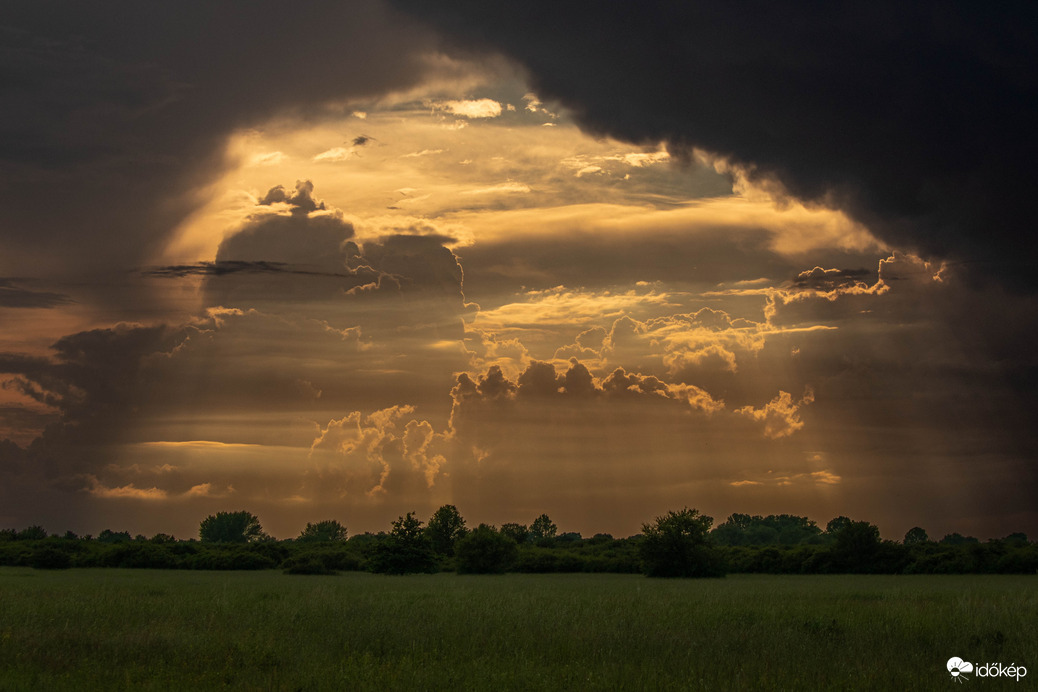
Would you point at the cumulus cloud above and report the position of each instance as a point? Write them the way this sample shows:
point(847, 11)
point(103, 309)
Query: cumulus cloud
point(578, 443)
point(780, 416)
point(374, 454)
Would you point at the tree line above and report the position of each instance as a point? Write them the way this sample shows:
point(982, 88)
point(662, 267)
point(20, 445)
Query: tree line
point(678, 544)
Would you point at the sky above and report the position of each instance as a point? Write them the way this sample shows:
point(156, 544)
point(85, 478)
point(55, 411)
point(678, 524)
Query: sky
point(351, 260)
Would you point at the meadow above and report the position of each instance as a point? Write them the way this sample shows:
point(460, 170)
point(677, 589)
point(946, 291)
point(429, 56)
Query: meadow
point(87, 629)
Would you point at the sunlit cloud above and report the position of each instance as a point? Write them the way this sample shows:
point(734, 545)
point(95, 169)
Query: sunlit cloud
point(507, 188)
point(476, 108)
point(336, 154)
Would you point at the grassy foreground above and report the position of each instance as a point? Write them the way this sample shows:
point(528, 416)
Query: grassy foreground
point(160, 630)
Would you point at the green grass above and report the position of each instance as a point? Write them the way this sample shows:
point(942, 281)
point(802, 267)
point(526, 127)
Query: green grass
point(171, 630)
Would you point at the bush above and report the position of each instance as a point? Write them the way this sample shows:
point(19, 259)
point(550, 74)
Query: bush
point(331, 559)
point(236, 559)
point(485, 551)
point(49, 558)
point(139, 556)
point(308, 564)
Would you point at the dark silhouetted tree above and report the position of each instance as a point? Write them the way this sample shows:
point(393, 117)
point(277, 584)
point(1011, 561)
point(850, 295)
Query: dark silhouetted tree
point(834, 526)
point(405, 549)
point(32, 533)
point(328, 531)
point(915, 536)
point(486, 551)
point(774, 529)
point(109, 536)
point(231, 527)
point(856, 547)
point(543, 529)
point(678, 545)
point(520, 533)
point(445, 528)
point(958, 539)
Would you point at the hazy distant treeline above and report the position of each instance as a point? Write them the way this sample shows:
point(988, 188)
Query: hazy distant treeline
point(678, 544)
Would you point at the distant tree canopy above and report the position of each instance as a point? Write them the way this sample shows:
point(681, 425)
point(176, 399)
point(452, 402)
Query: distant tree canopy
point(915, 536)
point(404, 550)
point(835, 524)
point(857, 546)
point(678, 545)
point(958, 539)
point(32, 533)
point(774, 529)
point(231, 527)
point(520, 533)
point(486, 551)
point(323, 531)
point(445, 528)
point(543, 529)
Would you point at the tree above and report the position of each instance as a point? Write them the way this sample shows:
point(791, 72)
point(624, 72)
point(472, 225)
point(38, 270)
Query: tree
point(958, 539)
point(486, 551)
point(678, 545)
point(543, 529)
point(915, 536)
point(835, 524)
point(403, 550)
point(109, 536)
point(520, 533)
point(445, 528)
point(328, 531)
point(32, 533)
point(857, 546)
point(231, 527)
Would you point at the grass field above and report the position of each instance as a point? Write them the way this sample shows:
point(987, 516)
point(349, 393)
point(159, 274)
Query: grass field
point(170, 630)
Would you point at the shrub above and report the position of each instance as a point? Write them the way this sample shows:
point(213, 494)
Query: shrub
point(236, 559)
point(139, 556)
point(49, 558)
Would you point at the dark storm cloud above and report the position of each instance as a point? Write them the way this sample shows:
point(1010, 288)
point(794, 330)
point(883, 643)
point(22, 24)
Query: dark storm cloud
point(223, 267)
point(915, 118)
point(115, 115)
point(829, 279)
point(94, 372)
point(14, 296)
